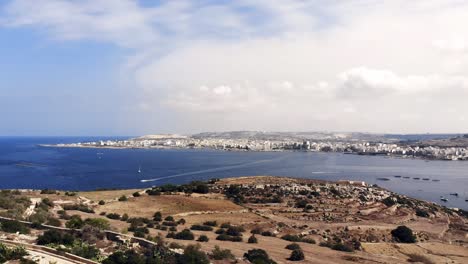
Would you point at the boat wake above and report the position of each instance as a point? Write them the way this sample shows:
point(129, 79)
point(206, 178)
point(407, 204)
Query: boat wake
point(212, 170)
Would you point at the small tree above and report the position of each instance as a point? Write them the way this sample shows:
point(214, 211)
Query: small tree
point(258, 256)
point(203, 238)
point(403, 234)
point(293, 246)
point(296, 255)
point(220, 254)
point(252, 240)
point(193, 255)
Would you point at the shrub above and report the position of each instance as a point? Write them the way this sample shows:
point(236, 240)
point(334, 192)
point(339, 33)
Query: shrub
point(55, 237)
point(102, 202)
point(75, 222)
point(225, 225)
point(78, 207)
point(193, 254)
point(123, 198)
point(403, 234)
point(201, 228)
point(100, 223)
point(210, 223)
point(184, 235)
point(267, 233)
point(170, 235)
point(256, 231)
point(224, 237)
point(235, 231)
point(53, 221)
point(252, 240)
point(308, 240)
point(296, 255)
point(173, 229)
point(220, 231)
point(181, 221)
point(166, 223)
point(220, 254)
point(292, 238)
point(342, 247)
point(14, 226)
point(169, 218)
point(422, 213)
point(258, 256)
point(7, 254)
point(203, 238)
point(157, 217)
point(113, 216)
point(293, 246)
point(301, 203)
point(85, 251)
point(124, 217)
point(136, 194)
point(48, 191)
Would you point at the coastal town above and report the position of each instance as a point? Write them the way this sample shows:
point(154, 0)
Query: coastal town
point(334, 143)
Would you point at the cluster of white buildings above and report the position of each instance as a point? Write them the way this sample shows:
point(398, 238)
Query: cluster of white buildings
point(362, 148)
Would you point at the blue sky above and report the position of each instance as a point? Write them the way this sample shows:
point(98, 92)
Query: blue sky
point(124, 67)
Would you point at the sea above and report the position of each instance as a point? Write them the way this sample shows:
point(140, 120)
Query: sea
point(24, 164)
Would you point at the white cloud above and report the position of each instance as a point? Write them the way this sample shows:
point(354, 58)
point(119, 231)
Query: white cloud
point(282, 65)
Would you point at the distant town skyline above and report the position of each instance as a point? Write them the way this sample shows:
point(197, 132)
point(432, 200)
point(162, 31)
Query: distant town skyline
point(136, 67)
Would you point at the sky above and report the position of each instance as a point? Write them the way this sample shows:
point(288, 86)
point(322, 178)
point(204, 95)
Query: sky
point(129, 67)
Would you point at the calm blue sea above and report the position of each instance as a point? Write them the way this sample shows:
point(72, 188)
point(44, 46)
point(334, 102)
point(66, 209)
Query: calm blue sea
point(24, 164)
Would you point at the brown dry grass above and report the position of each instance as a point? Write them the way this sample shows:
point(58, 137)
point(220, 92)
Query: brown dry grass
point(146, 206)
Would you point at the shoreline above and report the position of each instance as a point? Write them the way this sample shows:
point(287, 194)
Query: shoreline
point(248, 150)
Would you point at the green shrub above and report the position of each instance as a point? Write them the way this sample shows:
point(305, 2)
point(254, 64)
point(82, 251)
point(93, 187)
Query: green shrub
point(53, 221)
point(193, 254)
point(293, 246)
point(220, 254)
point(342, 247)
point(123, 198)
point(185, 235)
point(422, 213)
point(203, 238)
point(102, 202)
point(113, 216)
point(210, 223)
point(201, 228)
point(259, 256)
point(252, 240)
point(296, 255)
point(136, 194)
point(75, 222)
point(55, 237)
point(292, 238)
point(403, 234)
point(85, 251)
point(14, 226)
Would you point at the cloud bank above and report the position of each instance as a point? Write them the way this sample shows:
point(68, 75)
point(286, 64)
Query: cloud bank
point(380, 66)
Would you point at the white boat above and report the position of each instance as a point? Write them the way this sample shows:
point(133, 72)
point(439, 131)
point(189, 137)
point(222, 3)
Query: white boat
point(139, 169)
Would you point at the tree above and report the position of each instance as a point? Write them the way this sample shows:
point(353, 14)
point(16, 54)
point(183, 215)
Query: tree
point(252, 240)
point(220, 254)
point(203, 238)
point(258, 256)
point(293, 246)
point(193, 255)
point(55, 237)
point(403, 234)
point(296, 255)
point(75, 222)
point(184, 235)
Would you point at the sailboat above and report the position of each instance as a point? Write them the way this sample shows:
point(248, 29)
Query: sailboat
point(139, 169)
